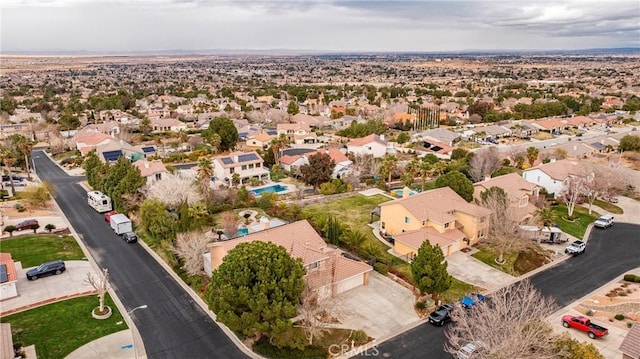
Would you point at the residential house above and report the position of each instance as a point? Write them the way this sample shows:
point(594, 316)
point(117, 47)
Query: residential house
point(329, 273)
point(298, 133)
point(577, 149)
point(167, 124)
point(292, 163)
point(260, 140)
point(373, 144)
point(603, 144)
point(158, 111)
point(630, 346)
point(87, 141)
point(551, 125)
point(551, 176)
point(494, 131)
point(147, 150)
point(437, 134)
point(151, 170)
point(113, 149)
point(440, 216)
point(520, 192)
point(246, 165)
point(8, 277)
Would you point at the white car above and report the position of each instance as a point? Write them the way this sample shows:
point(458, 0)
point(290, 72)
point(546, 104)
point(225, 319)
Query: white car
point(468, 351)
point(603, 222)
point(576, 248)
point(16, 183)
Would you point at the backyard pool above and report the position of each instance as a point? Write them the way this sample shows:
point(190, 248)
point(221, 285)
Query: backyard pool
point(277, 188)
point(398, 192)
point(242, 232)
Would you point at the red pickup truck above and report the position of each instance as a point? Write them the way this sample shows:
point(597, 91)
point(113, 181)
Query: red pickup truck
point(584, 324)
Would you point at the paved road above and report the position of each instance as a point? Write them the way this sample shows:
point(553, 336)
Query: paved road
point(609, 253)
point(173, 325)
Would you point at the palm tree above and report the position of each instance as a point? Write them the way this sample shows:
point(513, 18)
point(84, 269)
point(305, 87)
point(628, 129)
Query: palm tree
point(8, 159)
point(235, 179)
point(24, 146)
point(354, 238)
point(277, 144)
point(389, 164)
point(205, 172)
point(545, 217)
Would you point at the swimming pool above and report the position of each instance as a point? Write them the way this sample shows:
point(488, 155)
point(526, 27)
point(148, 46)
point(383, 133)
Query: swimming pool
point(277, 188)
point(398, 192)
point(242, 232)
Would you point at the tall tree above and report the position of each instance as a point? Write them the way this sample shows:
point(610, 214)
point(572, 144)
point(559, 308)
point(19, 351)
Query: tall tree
point(256, 290)
point(277, 145)
point(630, 143)
point(532, 155)
point(293, 108)
point(205, 172)
point(512, 325)
point(429, 270)
point(571, 191)
point(145, 126)
point(224, 127)
point(190, 247)
point(504, 230)
point(156, 220)
point(319, 169)
point(173, 191)
point(94, 169)
point(600, 181)
point(8, 158)
point(122, 178)
point(24, 146)
point(389, 164)
point(458, 182)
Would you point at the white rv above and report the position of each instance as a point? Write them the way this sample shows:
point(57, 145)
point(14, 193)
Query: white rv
point(99, 201)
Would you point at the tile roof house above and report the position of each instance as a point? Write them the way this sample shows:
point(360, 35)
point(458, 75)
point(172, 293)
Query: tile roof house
point(113, 149)
point(343, 164)
point(440, 216)
point(328, 271)
point(551, 176)
point(86, 141)
point(298, 133)
point(437, 134)
point(373, 144)
point(630, 346)
point(167, 124)
point(520, 193)
point(260, 140)
point(246, 164)
point(8, 277)
point(151, 170)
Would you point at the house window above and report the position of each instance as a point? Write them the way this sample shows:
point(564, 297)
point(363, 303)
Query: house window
point(232, 170)
point(481, 234)
point(251, 166)
point(482, 219)
point(382, 225)
point(313, 265)
point(424, 223)
point(446, 225)
point(538, 179)
point(158, 176)
point(257, 165)
point(369, 148)
point(244, 167)
point(407, 220)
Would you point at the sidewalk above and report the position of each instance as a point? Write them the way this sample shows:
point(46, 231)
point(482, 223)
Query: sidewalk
point(117, 345)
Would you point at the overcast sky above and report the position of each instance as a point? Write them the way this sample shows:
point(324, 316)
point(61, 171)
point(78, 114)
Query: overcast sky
point(355, 25)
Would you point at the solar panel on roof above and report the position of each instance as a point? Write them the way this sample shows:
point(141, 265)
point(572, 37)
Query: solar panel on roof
point(148, 149)
point(3, 273)
point(272, 133)
point(226, 160)
point(247, 157)
point(112, 156)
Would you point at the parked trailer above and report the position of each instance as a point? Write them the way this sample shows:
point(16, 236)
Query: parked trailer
point(99, 201)
point(120, 223)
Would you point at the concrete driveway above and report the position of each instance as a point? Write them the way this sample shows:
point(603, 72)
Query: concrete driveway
point(470, 270)
point(631, 209)
point(36, 292)
point(381, 308)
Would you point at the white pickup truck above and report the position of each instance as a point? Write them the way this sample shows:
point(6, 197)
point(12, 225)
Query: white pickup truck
point(575, 248)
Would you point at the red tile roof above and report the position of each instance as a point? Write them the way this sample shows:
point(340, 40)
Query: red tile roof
point(12, 274)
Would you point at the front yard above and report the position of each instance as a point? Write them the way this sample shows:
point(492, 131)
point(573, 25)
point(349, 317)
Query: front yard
point(60, 328)
point(578, 226)
point(516, 263)
point(32, 250)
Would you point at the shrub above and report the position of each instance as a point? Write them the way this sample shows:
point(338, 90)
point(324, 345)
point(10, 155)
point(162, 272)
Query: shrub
point(381, 268)
point(359, 337)
point(637, 280)
point(10, 230)
point(19, 207)
point(629, 324)
point(629, 277)
point(619, 316)
point(590, 312)
point(421, 305)
point(50, 227)
point(622, 294)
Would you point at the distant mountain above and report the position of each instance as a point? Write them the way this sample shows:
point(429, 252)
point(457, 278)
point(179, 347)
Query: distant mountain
point(293, 52)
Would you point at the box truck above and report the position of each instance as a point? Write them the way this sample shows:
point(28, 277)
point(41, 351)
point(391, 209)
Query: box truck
point(120, 223)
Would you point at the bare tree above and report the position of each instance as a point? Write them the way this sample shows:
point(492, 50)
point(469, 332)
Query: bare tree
point(230, 222)
point(504, 230)
point(173, 190)
point(600, 181)
point(511, 325)
point(190, 247)
point(572, 189)
point(101, 285)
point(483, 163)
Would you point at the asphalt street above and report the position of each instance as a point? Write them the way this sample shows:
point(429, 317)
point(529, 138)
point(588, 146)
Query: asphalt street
point(173, 325)
point(609, 253)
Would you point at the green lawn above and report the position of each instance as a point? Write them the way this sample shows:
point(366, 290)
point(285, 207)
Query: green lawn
point(578, 226)
point(516, 263)
point(458, 290)
point(607, 206)
point(355, 212)
point(487, 256)
point(59, 328)
point(33, 250)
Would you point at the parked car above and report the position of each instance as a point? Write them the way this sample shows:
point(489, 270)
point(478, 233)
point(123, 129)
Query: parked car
point(16, 183)
point(575, 248)
point(441, 315)
point(130, 237)
point(471, 300)
point(613, 199)
point(45, 269)
point(584, 324)
point(603, 222)
point(27, 224)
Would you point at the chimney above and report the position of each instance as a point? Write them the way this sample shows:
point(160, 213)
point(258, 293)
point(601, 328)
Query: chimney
point(487, 176)
point(381, 137)
point(146, 164)
point(575, 148)
point(265, 223)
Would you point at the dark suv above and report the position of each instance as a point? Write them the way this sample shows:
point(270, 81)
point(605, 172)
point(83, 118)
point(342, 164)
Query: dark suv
point(441, 315)
point(27, 224)
point(45, 269)
point(130, 237)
